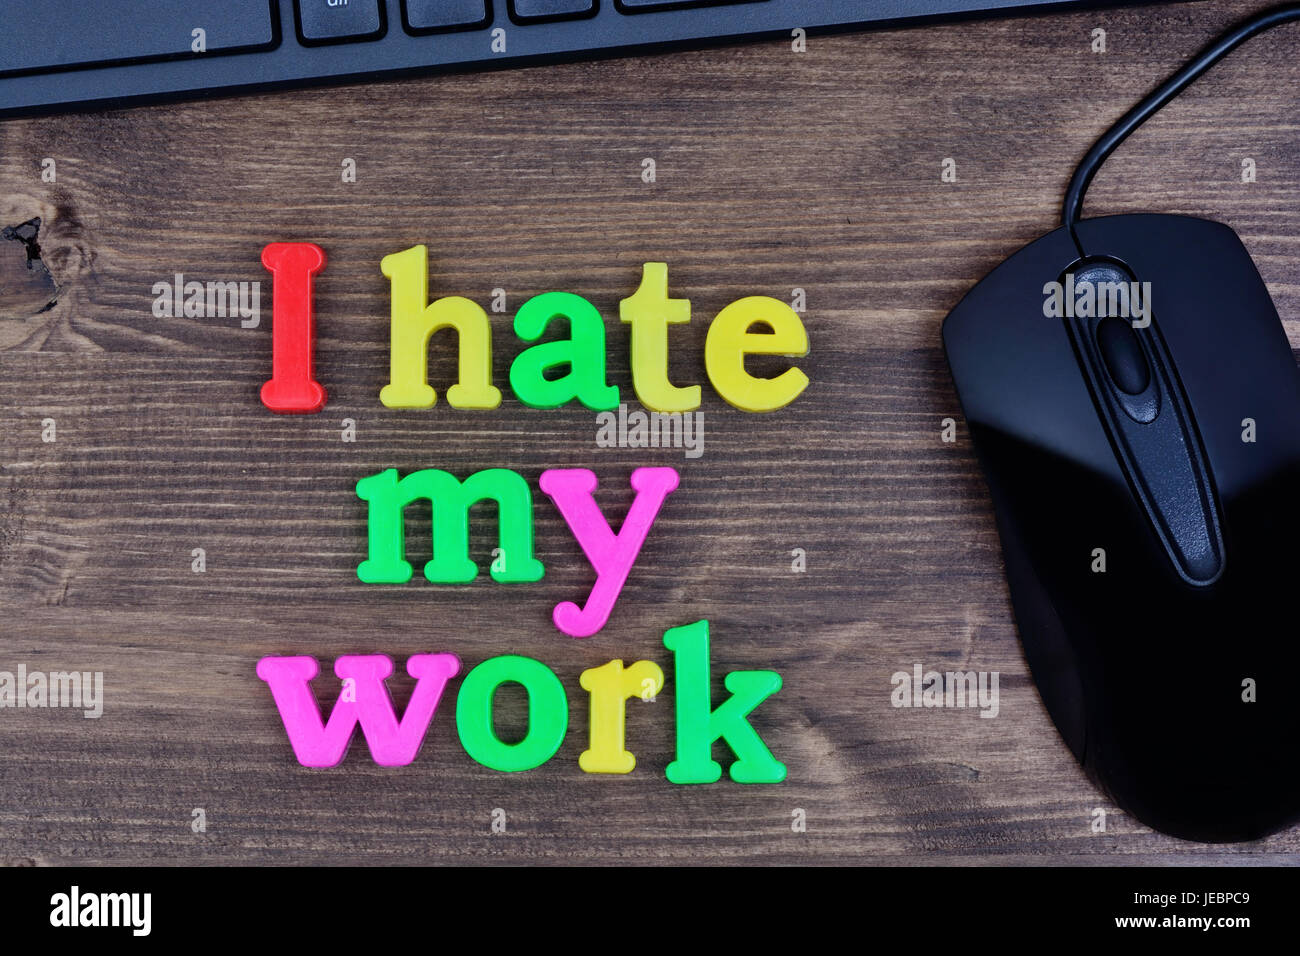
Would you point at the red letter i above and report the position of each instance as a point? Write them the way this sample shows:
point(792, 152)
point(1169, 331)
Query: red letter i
point(292, 388)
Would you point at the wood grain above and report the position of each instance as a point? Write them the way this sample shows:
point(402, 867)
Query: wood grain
point(775, 170)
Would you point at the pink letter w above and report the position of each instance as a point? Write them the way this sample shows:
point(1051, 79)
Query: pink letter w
point(364, 699)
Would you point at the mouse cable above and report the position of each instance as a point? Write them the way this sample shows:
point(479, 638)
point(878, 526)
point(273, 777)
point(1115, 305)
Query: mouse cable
point(1158, 97)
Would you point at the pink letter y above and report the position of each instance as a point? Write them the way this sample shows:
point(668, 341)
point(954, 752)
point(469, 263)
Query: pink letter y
point(612, 556)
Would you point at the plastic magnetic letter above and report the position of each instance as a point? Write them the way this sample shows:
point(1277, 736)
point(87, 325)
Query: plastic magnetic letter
point(583, 352)
point(548, 713)
point(415, 320)
point(699, 724)
point(291, 388)
point(610, 685)
point(451, 500)
point(364, 699)
point(649, 311)
point(611, 555)
point(729, 341)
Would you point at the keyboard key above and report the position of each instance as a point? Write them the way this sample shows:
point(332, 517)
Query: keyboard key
point(339, 19)
point(59, 34)
point(529, 10)
point(636, 6)
point(427, 15)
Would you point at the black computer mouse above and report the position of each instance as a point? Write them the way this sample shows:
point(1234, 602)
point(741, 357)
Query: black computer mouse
point(1144, 484)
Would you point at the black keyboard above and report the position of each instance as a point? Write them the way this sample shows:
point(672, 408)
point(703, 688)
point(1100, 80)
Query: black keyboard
point(63, 53)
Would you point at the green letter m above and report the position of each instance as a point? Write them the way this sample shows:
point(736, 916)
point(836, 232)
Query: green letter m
point(451, 501)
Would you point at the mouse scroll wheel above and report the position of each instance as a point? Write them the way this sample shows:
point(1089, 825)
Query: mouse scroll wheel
point(1123, 355)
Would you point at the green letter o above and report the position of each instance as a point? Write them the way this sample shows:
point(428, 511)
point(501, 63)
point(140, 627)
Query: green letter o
point(548, 713)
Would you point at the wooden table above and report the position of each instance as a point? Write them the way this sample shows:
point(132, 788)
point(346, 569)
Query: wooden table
point(775, 170)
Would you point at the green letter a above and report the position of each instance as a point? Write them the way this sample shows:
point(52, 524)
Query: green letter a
point(583, 352)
